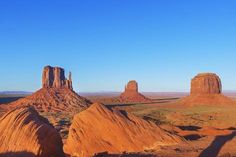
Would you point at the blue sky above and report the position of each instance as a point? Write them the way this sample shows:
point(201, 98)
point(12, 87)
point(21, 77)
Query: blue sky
point(160, 43)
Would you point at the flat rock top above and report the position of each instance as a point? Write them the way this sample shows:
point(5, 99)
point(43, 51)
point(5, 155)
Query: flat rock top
point(206, 75)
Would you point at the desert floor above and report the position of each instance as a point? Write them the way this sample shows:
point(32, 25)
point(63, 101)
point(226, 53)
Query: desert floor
point(208, 130)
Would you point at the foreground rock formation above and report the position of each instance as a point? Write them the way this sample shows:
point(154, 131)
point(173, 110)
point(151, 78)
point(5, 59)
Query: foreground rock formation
point(131, 93)
point(100, 129)
point(24, 130)
point(206, 89)
point(56, 94)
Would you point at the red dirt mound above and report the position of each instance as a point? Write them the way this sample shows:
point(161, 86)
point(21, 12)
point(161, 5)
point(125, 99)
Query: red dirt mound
point(53, 100)
point(24, 130)
point(100, 129)
point(208, 99)
point(131, 93)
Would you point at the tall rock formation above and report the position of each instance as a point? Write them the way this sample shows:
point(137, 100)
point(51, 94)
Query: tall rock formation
point(24, 130)
point(131, 93)
point(98, 129)
point(56, 94)
point(54, 77)
point(132, 87)
point(206, 83)
point(206, 89)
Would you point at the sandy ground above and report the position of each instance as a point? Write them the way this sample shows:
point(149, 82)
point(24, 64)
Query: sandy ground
point(209, 130)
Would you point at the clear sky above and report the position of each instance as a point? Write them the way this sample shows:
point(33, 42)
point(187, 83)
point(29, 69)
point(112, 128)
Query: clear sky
point(160, 43)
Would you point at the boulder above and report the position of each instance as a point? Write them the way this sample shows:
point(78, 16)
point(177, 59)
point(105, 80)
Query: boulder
point(24, 130)
point(99, 129)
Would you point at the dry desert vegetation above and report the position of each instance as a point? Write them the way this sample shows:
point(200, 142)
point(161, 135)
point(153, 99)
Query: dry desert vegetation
point(55, 121)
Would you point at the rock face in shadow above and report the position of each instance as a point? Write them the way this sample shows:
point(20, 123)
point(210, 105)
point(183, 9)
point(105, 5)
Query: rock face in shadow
point(54, 77)
point(99, 129)
point(56, 94)
point(24, 130)
point(131, 93)
point(206, 89)
point(206, 83)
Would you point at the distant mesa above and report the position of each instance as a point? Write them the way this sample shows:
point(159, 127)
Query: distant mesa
point(206, 83)
point(98, 129)
point(56, 94)
point(54, 77)
point(131, 93)
point(132, 86)
point(24, 130)
point(206, 89)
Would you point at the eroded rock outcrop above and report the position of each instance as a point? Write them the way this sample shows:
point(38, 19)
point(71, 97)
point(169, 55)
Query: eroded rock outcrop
point(206, 83)
point(100, 129)
point(132, 86)
point(24, 130)
point(56, 94)
point(131, 93)
point(206, 89)
point(54, 77)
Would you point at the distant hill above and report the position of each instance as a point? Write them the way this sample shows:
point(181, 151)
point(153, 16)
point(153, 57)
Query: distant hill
point(99, 93)
point(15, 93)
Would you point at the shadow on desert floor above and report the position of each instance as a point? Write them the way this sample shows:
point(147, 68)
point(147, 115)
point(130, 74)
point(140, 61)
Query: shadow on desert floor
point(17, 154)
point(106, 154)
point(214, 148)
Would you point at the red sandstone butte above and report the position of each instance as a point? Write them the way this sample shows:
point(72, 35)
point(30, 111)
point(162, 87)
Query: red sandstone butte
point(206, 89)
point(55, 77)
point(131, 93)
point(206, 83)
point(56, 94)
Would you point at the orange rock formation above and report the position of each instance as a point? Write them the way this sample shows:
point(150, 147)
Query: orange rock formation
point(131, 93)
point(206, 89)
point(56, 94)
point(24, 130)
point(100, 129)
point(54, 100)
point(55, 77)
point(206, 83)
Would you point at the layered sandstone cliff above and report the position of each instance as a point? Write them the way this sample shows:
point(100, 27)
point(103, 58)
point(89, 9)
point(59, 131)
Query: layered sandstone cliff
point(56, 94)
point(54, 77)
point(206, 89)
point(206, 83)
